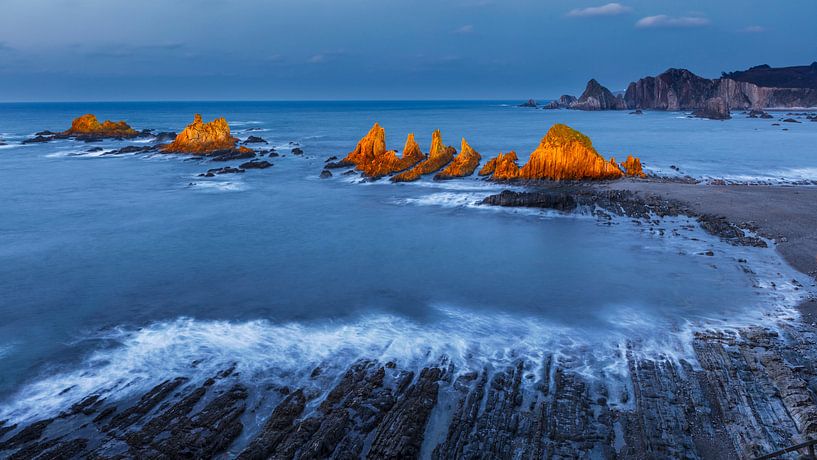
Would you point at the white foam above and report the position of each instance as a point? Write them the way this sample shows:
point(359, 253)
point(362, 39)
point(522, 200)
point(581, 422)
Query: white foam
point(218, 186)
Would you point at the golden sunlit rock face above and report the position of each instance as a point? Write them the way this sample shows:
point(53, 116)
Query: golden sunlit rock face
point(371, 157)
point(502, 167)
point(201, 138)
point(566, 154)
point(88, 126)
point(439, 156)
point(632, 167)
point(463, 164)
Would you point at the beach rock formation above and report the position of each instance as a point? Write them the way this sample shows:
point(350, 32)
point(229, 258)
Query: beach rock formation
point(200, 138)
point(632, 167)
point(530, 103)
point(438, 157)
point(566, 154)
point(714, 109)
point(88, 127)
point(463, 164)
point(502, 167)
point(371, 157)
point(597, 97)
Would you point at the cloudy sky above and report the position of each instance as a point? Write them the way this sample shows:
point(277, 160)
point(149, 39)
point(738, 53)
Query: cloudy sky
point(380, 49)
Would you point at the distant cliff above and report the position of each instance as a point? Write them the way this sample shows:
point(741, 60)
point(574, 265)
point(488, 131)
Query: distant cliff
point(758, 88)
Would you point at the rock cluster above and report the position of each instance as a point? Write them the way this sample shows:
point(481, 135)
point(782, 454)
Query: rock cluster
point(632, 167)
point(87, 126)
point(502, 167)
point(463, 164)
point(438, 157)
point(199, 138)
point(371, 157)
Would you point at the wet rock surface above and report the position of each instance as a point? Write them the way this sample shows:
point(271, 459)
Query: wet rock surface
point(747, 393)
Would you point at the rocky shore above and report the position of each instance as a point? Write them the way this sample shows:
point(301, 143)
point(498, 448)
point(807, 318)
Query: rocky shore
point(746, 393)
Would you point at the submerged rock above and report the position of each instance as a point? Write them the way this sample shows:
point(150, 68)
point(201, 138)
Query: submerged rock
point(255, 140)
point(463, 164)
point(371, 157)
point(297, 151)
point(502, 167)
point(326, 174)
point(200, 138)
point(438, 157)
point(255, 164)
point(758, 114)
point(566, 154)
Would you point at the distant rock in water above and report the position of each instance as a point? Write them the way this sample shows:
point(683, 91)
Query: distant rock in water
point(714, 109)
point(255, 140)
point(566, 154)
point(529, 103)
point(326, 174)
point(564, 102)
point(597, 97)
point(758, 114)
point(438, 157)
point(632, 167)
point(200, 138)
point(371, 157)
point(502, 167)
point(88, 127)
point(463, 164)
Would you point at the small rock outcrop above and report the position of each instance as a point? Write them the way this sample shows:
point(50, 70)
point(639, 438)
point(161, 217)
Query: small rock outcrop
point(88, 127)
point(371, 157)
point(713, 109)
point(632, 167)
point(502, 167)
point(530, 103)
point(200, 138)
point(564, 102)
point(566, 154)
point(463, 164)
point(438, 157)
point(597, 97)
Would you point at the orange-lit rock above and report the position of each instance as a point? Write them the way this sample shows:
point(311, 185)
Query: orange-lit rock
point(632, 167)
point(463, 164)
point(201, 138)
point(566, 154)
point(89, 127)
point(438, 156)
point(371, 157)
point(503, 167)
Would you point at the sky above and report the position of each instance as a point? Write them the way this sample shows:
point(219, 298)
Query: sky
point(103, 50)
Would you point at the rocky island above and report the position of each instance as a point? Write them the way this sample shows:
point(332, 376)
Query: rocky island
point(88, 128)
point(208, 139)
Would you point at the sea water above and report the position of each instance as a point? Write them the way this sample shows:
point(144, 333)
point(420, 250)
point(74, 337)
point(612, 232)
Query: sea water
point(117, 272)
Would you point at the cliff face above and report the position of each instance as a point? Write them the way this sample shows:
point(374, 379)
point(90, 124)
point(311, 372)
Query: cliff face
point(597, 97)
point(566, 154)
point(502, 167)
point(463, 164)
point(714, 109)
point(371, 157)
point(680, 89)
point(201, 138)
point(765, 76)
point(87, 126)
point(438, 156)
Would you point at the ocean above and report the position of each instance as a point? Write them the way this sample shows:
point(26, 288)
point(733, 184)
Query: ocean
point(118, 272)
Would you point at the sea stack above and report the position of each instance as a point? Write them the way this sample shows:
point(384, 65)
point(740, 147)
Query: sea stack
point(201, 138)
point(632, 167)
point(502, 167)
point(88, 127)
point(463, 165)
point(438, 157)
point(566, 154)
point(371, 157)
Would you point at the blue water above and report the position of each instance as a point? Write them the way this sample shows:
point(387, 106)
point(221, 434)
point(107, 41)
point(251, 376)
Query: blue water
point(115, 270)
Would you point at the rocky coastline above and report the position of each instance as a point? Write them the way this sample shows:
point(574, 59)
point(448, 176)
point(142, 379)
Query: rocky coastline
point(758, 88)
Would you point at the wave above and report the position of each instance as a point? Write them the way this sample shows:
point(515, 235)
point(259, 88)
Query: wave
point(218, 186)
